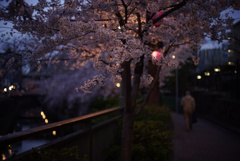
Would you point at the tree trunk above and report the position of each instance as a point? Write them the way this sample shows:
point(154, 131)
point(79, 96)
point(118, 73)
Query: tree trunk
point(155, 97)
point(128, 116)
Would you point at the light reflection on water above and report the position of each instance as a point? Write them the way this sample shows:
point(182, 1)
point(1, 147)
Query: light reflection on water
point(32, 143)
point(25, 145)
point(29, 144)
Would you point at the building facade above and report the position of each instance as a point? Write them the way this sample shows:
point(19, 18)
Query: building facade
point(10, 71)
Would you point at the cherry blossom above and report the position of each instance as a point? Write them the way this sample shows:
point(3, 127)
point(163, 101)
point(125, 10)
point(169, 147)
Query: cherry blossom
point(117, 37)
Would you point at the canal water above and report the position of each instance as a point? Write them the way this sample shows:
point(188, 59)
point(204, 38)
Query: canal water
point(30, 119)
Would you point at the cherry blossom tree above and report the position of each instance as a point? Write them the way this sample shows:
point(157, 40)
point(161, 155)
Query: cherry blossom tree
point(61, 96)
point(118, 37)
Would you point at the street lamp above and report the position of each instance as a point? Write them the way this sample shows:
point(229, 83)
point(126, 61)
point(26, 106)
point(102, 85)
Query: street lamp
point(118, 85)
point(230, 63)
point(5, 90)
point(199, 77)
point(217, 69)
point(176, 83)
point(207, 74)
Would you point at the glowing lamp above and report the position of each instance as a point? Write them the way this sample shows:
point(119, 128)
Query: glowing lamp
point(207, 73)
point(4, 157)
point(46, 121)
point(229, 50)
point(156, 15)
point(156, 55)
point(217, 69)
point(118, 85)
point(230, 63)
point(44, 116)
point(10, 149)
point(54, 133)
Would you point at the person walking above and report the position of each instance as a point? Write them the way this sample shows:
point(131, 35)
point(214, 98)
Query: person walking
point(188, 103)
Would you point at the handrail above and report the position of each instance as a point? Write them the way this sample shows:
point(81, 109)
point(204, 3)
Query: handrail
point(8, 139)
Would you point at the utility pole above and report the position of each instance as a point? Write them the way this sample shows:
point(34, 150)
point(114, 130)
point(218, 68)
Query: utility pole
point(176, 81)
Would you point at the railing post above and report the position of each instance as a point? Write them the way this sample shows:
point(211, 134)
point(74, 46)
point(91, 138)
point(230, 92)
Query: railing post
point(88, 127)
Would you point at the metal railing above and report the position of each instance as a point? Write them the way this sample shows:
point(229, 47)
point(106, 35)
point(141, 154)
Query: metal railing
point(91, 138)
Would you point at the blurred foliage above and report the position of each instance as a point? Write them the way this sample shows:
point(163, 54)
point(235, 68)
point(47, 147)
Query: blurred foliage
point(152, 136)
point(55, 154)
point(101, 103)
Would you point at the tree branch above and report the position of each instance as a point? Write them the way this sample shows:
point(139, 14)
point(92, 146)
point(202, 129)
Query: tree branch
point(139, 25)
point(174, 8)
point(119, 16)
point(155, 80)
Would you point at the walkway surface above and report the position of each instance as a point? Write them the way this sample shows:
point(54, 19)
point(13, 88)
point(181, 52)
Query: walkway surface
point(206, 142)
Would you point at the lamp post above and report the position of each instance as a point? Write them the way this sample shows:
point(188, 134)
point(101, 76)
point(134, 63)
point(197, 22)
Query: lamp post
point(176, 85)
point(177, 89)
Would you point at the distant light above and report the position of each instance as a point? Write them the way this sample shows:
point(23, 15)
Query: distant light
point(229, 38)
point(230, 63)
point(73, 18)
point(54, 133)
point(4, 157)
point(43, 115)
point(235, 72)
point(229, 50)
point(9, 149)
point(5, 89)
point(207, 73)
point(46, 121)
point(173, 56)
point(217, 69)
point(119, 27)
point(118, 85)
point(199, 77)
point(11, 87)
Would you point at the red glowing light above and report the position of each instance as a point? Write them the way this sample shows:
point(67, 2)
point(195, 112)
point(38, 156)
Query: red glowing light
point(156, 55)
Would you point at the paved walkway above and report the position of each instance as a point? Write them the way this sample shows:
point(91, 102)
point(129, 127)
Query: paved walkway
point(206, 142)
